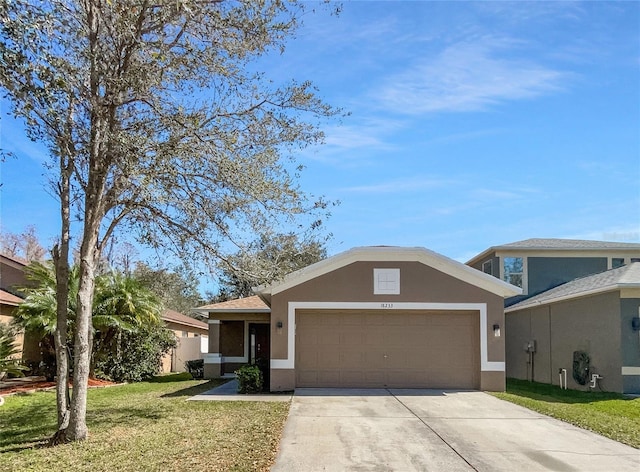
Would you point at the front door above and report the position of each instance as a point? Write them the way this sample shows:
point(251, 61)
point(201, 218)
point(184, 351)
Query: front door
point(259, 348)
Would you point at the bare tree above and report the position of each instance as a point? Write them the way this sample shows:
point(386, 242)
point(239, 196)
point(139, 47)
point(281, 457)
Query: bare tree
point(268, 259)
point(25, 245)
point(157, 124)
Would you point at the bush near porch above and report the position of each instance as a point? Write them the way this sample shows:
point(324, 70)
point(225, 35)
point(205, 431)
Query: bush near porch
point(144, 426)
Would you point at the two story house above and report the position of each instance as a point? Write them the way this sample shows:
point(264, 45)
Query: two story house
point(536, 265)
point(577, 322)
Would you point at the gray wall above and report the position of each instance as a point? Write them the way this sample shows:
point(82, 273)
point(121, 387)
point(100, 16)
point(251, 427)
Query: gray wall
point(590, 324)
point(630, 343)
point(548, 272)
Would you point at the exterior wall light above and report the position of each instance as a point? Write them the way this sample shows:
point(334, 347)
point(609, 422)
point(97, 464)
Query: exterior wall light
point(496, 330)
point(279, 324)
point(635, 323)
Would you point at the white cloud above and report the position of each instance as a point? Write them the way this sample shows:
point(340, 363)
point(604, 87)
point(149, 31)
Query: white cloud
point(467, 77)
point(401, 185)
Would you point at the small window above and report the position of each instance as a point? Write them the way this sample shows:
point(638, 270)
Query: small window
point(617, 262)
point(635, 259)
point(513, 271)
point(487, 267)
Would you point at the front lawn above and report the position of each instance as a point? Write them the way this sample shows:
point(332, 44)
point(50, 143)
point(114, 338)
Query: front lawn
point(609, 414)
point(144, 426)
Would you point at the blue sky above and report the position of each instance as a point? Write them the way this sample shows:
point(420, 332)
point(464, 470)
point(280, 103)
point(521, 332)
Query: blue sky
point(472, 124)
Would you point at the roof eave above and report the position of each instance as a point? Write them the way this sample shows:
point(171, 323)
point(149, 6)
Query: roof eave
point(392, 254)
point(585, 293)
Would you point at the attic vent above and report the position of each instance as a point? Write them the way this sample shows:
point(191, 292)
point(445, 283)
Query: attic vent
point(386, 281)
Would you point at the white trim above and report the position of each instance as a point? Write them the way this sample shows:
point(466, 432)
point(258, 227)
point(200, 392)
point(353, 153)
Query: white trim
point(212, 358)
point(234, 359)
point(232, 310)
point(525, 270)
point(394, 254)
point(214, 322)
point(289, 362)
point(627, 370)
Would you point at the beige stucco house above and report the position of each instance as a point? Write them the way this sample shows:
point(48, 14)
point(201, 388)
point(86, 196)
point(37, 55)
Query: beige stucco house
point(371, 317)
point(191, 336)
point(11, 278)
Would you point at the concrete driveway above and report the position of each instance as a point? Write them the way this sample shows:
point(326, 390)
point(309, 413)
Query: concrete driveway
point(435, 430)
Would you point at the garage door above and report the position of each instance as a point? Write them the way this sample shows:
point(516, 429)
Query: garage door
point(395, 349)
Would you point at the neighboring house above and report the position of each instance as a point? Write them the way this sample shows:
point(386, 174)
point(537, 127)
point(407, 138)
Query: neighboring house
point(593, 321)
point(536, 265)
point(369, 317)
point(578, 297)
point(192, 337)
point(11, 277)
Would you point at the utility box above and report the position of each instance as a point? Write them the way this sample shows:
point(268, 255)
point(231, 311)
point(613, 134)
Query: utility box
point(530, 346)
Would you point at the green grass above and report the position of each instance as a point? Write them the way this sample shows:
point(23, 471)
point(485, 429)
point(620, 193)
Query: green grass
point(610, 414)
point(144, 426)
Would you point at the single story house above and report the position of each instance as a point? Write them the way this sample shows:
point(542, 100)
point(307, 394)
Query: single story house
point(371, 317)
point(191, 335)
point(11, 278)
point(588, 326)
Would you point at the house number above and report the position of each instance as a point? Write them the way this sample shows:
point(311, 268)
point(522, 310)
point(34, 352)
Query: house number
point(386, 305)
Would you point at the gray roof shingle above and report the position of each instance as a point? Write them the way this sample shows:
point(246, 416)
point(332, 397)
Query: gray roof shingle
point(553, 243)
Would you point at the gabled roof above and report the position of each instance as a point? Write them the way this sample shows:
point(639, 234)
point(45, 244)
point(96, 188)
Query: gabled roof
point(615, 279)
point(392, 254)
point(171, 316)
point(555, 244)
point(7, 298)
point(240, 305)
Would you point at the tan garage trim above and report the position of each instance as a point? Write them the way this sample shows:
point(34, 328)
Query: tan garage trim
point(382, 349)
point(480, 308)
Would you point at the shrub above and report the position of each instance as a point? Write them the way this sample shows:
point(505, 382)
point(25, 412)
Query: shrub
point(249, 379)
point(137, 355)
point(195, 368)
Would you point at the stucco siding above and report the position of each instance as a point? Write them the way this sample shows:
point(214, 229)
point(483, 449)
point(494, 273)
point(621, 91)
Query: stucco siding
point(630, 343)
point(630, 339)
point(548, 272)
point(590, 324)
point(354, 283)
point(522, 327)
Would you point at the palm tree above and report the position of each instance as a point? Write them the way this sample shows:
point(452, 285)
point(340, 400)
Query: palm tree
point(121, 303)
point(8, 352)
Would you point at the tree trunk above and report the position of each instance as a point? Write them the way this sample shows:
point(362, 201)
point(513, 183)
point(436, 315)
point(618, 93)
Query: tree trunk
point(61, 264)
point(60, 335)
point(77, 429)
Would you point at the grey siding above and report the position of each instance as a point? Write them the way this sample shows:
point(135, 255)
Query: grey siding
point(631, 384)
point(548, 272)
point(495, 267)
point(522, 327)
point(590, 324)
point(630, 341)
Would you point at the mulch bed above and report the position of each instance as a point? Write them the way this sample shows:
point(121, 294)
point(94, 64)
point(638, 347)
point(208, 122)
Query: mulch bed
point(44, 385)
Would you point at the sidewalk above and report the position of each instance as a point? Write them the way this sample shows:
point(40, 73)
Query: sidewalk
point(229, 392)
